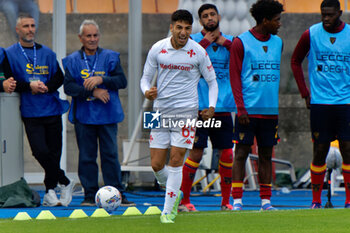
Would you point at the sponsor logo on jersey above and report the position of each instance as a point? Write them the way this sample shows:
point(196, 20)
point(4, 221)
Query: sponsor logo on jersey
point(179, 66)
point(332, 39)
point(188, 141)
point(333, 57)
point(191, 53)
point(333, 69)
point(265, 78)
point(163, 51)
point(265, 66)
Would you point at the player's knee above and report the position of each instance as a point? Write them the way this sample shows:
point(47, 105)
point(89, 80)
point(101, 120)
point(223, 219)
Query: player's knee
point(227, 155)
point(196, 155)
point(320, 153)
point(157, 166)
point(175, 161)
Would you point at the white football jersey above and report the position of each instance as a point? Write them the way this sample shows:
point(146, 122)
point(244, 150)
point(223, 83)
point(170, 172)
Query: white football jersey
point(178, 75)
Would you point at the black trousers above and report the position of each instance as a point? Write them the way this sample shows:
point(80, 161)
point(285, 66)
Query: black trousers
point(45, 139)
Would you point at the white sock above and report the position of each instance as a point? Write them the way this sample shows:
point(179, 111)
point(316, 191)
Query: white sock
point(162, 176)
point(237, 201)
point(172, 188)
point(265, 201)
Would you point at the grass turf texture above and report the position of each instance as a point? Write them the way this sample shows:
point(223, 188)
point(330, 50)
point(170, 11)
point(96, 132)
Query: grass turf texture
point(308, 221)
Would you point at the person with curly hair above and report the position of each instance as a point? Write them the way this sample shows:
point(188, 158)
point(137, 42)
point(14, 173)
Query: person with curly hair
point(255, 75)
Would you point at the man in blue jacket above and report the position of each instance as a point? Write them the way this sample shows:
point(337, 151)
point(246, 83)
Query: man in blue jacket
point(38, 76)
point(93, 77)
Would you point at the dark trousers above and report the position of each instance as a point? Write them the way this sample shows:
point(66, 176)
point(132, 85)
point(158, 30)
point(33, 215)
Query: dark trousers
point(45, 139)
point(89, 138)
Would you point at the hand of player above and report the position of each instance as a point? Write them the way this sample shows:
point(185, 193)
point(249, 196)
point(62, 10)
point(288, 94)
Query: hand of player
point(152, 93)
point(207, 113)
point(307, 102)
point(243, 119)
point(220, 40)
point(211, 36)
point(92, 82)
point(101, 94)
point(9, 85)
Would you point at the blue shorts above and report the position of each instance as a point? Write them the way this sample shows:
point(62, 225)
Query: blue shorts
point(221, 138)
point(265, 131)
point(330, 122)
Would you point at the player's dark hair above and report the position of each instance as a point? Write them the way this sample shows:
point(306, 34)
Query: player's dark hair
point(206, 7)
point(331, 3)
point(265, 9)
point(182, 15)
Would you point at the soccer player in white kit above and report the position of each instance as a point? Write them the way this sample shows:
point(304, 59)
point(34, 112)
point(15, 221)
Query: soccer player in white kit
point(180, 62)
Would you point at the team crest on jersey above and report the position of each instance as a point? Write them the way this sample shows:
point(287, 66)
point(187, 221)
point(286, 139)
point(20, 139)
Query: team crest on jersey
point(163, 51)
point(332, 39)
point(191, 53)
point(241, 136)
point(265, 48)
point(196, 138)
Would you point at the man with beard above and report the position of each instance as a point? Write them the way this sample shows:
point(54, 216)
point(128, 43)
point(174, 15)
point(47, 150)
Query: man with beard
point(255, 75)
point(38, 76)
point(327, 46)
point(217, 46)
point(179, 63)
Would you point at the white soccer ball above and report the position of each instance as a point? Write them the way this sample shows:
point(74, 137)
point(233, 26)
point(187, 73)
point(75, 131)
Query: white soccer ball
point(108, 198)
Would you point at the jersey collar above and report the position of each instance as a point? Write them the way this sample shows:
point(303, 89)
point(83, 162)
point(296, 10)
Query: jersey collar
point(170, 46)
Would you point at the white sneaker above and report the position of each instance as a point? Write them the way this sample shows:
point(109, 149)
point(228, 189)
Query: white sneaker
point(50, 199)
point(66, 193)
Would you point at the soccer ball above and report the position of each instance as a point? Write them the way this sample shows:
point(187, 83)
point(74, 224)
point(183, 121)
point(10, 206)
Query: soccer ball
point(108, 198)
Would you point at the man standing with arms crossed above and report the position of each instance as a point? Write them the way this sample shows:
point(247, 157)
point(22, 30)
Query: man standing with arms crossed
point(180, 63)
point(218, 47)
point(38, 76)
point(327, 46)
point(255, 75)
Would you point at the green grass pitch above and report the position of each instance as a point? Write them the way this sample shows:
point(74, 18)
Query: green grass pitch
point(284, 221)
